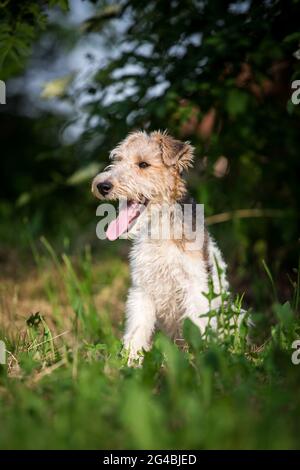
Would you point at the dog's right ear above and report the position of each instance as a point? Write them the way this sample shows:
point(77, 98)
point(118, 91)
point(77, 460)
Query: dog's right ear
point(174, 152)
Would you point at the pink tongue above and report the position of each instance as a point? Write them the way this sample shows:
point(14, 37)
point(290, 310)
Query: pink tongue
point(126, 215)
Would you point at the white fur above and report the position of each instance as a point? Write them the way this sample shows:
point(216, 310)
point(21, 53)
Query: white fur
point(168, 279)
point(167, 286)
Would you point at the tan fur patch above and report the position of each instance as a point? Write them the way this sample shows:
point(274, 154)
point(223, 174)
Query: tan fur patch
point(160, 181)
point(174, 152)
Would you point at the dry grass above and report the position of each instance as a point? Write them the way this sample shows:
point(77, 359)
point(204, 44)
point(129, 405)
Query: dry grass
point(45, 288)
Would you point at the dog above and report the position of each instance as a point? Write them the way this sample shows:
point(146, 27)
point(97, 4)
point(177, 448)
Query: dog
point(171, 276)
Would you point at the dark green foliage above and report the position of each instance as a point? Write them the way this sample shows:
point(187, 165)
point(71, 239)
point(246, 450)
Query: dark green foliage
point(20, 24)
point(216, 73)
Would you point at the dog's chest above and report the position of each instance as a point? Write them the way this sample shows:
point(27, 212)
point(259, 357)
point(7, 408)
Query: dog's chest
point(162, 270)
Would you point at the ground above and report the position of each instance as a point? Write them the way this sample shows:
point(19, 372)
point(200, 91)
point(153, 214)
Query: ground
point(66, 384)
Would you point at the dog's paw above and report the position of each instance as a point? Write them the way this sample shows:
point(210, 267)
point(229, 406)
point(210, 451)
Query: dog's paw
point(135, 360)
point(132, 357)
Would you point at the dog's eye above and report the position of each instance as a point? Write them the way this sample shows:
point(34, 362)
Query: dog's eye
point(143, 164)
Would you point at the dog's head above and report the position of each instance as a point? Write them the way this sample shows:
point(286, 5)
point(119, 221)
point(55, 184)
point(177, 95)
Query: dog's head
point(145, 169)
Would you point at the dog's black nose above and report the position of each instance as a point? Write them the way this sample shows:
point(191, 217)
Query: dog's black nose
point(104, 187)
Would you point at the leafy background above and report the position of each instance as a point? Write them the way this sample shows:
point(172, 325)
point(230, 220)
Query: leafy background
point(79, 76)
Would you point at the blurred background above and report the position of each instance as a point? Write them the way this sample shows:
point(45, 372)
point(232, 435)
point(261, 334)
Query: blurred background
point(81, 74)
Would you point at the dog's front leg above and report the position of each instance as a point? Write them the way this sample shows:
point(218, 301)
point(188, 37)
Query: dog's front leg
point(196, 305)
point(140, 323)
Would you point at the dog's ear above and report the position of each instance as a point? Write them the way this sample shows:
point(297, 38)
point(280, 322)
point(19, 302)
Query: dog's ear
point(174, 152)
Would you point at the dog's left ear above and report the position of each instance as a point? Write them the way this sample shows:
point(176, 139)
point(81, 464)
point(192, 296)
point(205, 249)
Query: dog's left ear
point(174, 152)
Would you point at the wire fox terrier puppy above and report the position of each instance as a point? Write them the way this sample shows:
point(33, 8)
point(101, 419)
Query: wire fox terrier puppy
point(171, 272)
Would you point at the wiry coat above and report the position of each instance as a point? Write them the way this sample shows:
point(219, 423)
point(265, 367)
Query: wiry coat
point(169, 280)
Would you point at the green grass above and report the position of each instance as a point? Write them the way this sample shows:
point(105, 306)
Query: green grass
point(67, 386)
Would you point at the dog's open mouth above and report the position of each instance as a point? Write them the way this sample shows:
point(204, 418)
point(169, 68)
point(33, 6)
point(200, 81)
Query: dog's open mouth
point(128, 214)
